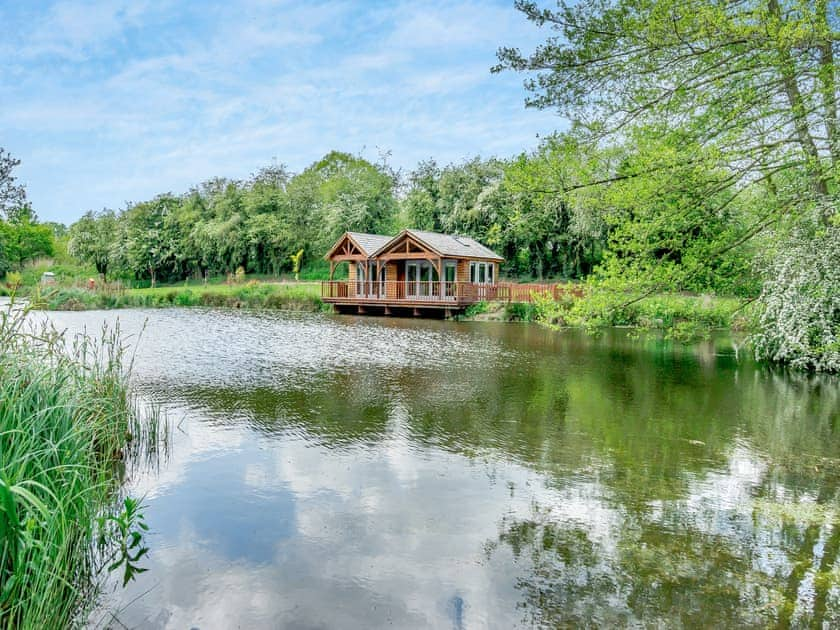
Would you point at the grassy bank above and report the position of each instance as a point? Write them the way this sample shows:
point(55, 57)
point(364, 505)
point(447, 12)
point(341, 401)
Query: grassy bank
point(680, 316)
point(66, 425)
point(291, 296)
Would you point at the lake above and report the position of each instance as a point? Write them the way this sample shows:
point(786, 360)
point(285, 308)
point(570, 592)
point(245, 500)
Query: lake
point(341, 472)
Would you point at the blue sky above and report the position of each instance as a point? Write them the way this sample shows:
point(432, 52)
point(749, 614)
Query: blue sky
point(111, 102)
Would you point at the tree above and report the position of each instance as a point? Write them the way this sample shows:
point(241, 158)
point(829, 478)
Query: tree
point(149, 244)
point(12, 194)
point(5, 261)
point(93, 241)
point(545, 232)
point(23, 238)
point(503, 204)
point(296, 257)
point(753, 79)
point(420, 206)
point(343, 192)
point(719, 123)
point(748, 88)
point(800, 323)
point(275, 176)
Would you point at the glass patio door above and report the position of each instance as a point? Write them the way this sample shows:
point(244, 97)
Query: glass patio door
point(449, 279)
point(412, 279)
point(421, 279)
point(424, 285)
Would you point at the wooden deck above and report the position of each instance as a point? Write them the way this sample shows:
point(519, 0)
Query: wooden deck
point(449, 296)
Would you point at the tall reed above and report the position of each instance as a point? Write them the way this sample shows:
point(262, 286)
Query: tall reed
point(66, 418)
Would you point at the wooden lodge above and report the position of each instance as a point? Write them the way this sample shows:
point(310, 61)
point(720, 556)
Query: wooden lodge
point(412, 272)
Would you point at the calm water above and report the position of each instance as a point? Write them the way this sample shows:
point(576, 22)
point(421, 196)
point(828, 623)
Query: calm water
point(332, 472)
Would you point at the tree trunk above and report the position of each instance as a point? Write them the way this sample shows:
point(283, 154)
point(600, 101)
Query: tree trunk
point(829, 86)
point(787, 70)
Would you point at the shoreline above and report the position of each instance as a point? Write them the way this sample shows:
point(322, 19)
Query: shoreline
point(681, 317)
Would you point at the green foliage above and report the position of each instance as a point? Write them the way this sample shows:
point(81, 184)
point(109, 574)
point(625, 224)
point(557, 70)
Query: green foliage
point(65, 274)
point(64, 417)
point(93, 241)
point(799, 322)
point(520, 312)
point(295, 297)
point(13, 280)
point(682, 317)
point(476, 309)
point(260, 225)
point(508, 205)
point(546, 310)
point(23, 239)
point(126, 529)
point(706, 136)
point(295, 258)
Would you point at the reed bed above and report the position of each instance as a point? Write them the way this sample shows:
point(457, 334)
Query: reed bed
point(291, 297)
point(67, 422)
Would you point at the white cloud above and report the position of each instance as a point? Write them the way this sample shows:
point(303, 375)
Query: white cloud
point(138, 99)
point(74, 30)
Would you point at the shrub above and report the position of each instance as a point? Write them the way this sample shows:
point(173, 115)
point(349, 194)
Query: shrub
point(185, 298)
point(476, 309)
point(520, 312)
point(546, 310)
point(799, 320)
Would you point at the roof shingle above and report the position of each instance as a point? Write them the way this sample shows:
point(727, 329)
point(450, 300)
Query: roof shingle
point(459, 246)
point(369, 242)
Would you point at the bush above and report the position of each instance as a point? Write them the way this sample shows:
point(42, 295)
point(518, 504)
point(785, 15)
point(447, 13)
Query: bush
point(65, 299)
point(210, 298)
point(476, 309)
point(799, 320)
point(546, 310)
point(185, 298)
point(520, 312)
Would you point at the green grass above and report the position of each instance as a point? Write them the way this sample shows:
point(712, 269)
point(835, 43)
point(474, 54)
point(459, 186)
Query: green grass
point(682, 317)
point(65, 274)
point(291, 296)
point(66, 421)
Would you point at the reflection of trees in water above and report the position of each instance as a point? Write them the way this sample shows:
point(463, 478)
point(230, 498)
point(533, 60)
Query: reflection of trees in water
point(647, 575)
point(567, 581)
point(648, 432)
point(683, 563)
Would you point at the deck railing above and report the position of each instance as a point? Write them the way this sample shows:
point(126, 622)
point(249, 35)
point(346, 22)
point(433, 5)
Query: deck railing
point(437, 291)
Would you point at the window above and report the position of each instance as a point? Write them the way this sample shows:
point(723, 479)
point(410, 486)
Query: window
point(450, 275)
point(360, 278)
point(481, 273)
point(449, 272)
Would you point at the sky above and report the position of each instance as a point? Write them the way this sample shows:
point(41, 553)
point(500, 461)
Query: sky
point(110, 102)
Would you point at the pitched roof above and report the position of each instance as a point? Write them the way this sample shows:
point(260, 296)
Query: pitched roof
point(450, 245)
point(369, 242)
point(442, 244)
